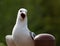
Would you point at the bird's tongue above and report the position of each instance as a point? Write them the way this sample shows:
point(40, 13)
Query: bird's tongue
point(23, 15)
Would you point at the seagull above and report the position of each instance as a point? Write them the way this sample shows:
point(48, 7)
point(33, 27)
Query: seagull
point(21, 35)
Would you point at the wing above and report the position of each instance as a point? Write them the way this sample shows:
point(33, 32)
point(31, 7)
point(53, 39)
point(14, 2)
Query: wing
point(32, 34)
point(9, 40)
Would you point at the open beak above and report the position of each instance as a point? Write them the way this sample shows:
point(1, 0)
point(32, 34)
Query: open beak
point(23, 15)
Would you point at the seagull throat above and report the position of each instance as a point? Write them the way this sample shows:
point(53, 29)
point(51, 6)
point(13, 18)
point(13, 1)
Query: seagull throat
point(23, 15)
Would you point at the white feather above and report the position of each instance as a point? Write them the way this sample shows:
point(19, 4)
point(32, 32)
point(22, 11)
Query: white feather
point(21, 34)
point(9, 40)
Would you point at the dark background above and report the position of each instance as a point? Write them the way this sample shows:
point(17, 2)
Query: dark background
point(43, 17)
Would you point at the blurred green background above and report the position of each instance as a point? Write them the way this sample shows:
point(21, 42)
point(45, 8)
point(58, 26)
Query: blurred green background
point(43, 17)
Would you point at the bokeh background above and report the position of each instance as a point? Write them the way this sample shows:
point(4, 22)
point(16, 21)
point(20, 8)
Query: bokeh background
point(43, 17)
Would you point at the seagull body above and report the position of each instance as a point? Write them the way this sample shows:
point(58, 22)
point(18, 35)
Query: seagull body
point(21, 35)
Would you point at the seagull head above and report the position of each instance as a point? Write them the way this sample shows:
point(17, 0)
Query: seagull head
point(22, 17)
point(22, 13)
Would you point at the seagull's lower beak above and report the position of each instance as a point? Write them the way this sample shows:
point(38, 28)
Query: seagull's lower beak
point(23, 15)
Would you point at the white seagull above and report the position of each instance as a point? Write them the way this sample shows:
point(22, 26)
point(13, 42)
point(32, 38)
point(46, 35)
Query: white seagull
point(21, 35)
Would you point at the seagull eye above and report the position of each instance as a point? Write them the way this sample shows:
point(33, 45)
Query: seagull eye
point(20, 11)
